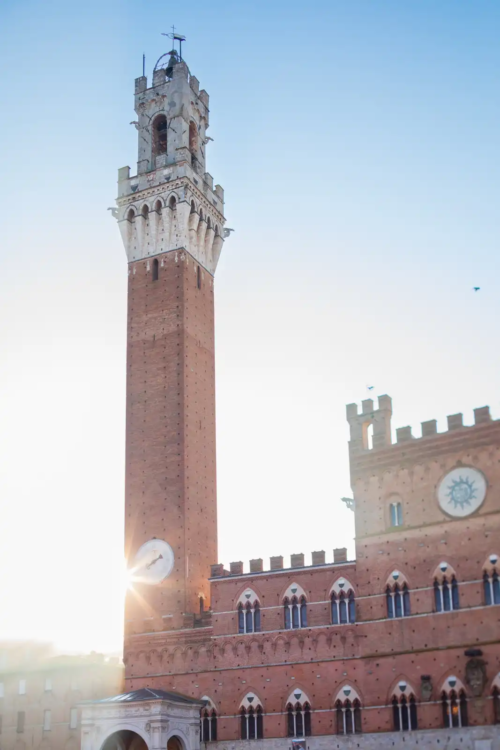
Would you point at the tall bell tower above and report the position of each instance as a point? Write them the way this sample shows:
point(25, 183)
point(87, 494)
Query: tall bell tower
point(171, 221)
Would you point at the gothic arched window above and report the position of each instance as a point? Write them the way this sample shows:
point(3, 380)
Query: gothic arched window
point(491, 585)
point(208, 725)
point(160, 135)
point(251, 721)
point(299, 719)
point(343, 608)
point(249, 617)
point(404, 712)
point(348, 716)
point(398, 601)
point(454, 709)
point(446, 595)
point(295, 612)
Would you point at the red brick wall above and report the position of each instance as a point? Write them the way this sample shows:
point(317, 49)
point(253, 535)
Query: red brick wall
point(171, 494)
point(170, 450)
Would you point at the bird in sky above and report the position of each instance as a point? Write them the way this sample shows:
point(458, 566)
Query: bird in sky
point(369, 387)
point(476, 288)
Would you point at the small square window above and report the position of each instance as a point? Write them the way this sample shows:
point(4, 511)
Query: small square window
point(48, 684)
point(73, 718)
point(22, 687)
point(46, 720)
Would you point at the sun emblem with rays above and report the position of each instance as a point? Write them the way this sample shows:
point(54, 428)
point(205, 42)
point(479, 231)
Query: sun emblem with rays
point(461, 491)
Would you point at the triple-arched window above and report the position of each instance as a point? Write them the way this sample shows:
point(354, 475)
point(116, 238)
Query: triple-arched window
point(208, 725)
point(249, 617)
point(343, 607)
point(348, 716)
point(446, 596)
point(398, 600)
point(299, 719)
point(251, 718)
point(454, 705)
point(295, 611)
point(251, 723)
point(404, 713)
point(491, 585)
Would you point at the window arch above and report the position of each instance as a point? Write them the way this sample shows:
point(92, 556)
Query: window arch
point(404, 712)
point(249, 617)
point(491, 581)
point(396, 513)
point(208, 724)
point(298, 711)
point(446, 596)
point(348, 711)
point(193, 137)
point(454, 708)
point(172, 203)
point(295, 610)
point(491, 585)
point(343, 607)
point(368, 436)
point(160, 135)
point(398, 600)
point(131, 214)
point(251, 718)
point(348, 716)
point(158, 207)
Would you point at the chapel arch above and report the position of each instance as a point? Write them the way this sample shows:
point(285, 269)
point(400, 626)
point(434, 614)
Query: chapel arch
point(124, 739)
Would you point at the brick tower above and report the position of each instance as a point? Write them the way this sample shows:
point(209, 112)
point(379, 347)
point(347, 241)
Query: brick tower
point(171, 220)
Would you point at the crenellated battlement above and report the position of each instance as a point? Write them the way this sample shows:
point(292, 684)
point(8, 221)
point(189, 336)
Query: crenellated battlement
point(276, 564)
point(371, 445)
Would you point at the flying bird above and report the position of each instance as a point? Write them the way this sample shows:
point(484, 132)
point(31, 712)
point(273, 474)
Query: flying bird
point(476, 288)
point(369, 387)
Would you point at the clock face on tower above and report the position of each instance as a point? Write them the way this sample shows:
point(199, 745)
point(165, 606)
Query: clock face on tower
point(153, 562)
point(462, 491)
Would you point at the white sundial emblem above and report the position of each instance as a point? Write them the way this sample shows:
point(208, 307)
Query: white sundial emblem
point(153, 562)
point(462, 491)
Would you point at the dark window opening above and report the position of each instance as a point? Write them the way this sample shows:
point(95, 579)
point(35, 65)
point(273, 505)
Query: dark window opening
point(193, 137)
point(198, 277)
point(156, 269)
point(496, 705)
point(160, 135)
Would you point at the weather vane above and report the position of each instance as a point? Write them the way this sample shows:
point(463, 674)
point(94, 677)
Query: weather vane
point(176, 38)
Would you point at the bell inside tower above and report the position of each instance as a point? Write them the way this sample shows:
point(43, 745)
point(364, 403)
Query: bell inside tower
point(160, 136)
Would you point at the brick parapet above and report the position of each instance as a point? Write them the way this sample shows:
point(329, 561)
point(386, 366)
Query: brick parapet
point(366, 460)
point(423, 449)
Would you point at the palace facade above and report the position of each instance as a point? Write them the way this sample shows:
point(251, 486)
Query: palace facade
point(397, 648)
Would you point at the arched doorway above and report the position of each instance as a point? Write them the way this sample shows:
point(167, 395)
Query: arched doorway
point(174, 743)
point(124, 739)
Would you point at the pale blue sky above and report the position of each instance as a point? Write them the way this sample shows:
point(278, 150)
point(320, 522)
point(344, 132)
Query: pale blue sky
point(357, 143)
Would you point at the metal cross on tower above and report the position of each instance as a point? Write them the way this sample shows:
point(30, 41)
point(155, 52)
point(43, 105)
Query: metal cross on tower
point(176, 38)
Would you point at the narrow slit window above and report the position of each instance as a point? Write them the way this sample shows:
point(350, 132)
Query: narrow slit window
point(156, 270)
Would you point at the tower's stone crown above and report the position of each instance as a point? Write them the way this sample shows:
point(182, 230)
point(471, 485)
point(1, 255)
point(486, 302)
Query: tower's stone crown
point(171, 203)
